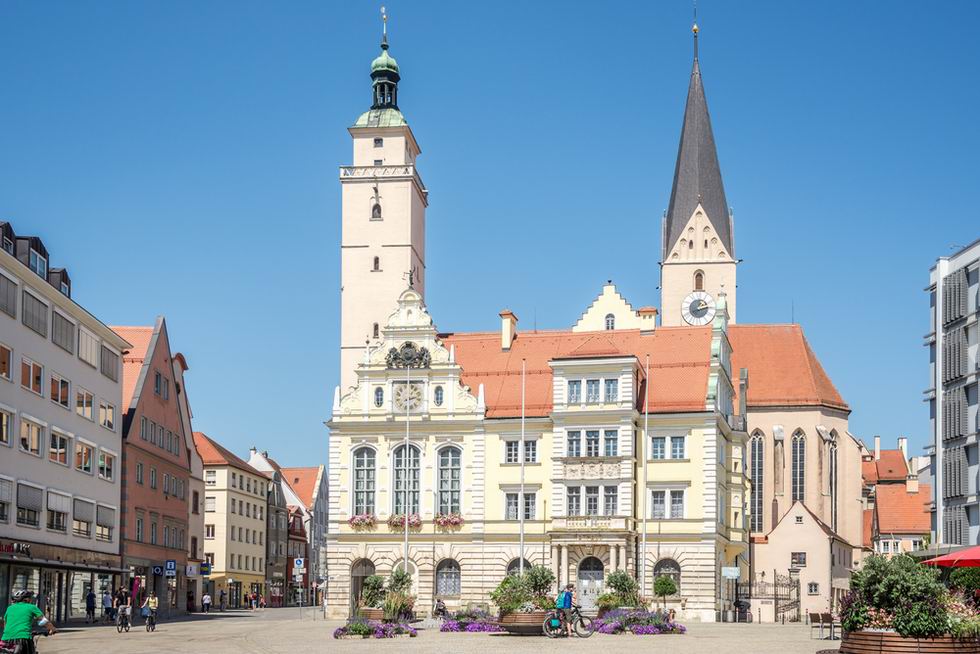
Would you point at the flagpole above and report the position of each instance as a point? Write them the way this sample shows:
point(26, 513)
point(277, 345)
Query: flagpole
point(520, 506)
point(643, 462)
point(408, 428)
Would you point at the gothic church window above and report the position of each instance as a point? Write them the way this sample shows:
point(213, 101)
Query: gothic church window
point(799, 467)
point(699, 281)
point(377, 264)
point(757, 470)
point(610, 321)
point(833, 486)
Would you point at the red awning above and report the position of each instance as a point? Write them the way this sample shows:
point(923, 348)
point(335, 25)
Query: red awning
point(968, 558)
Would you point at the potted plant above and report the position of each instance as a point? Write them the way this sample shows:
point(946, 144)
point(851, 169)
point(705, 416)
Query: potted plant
point(664, 586)
point(449, 520)
point(523, 600)
point(899, 605)
point(624, 592)
point(397, 521)
point(372, 598)
point(362, 521)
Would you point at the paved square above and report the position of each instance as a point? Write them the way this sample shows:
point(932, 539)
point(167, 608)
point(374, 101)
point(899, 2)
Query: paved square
point(283, 630)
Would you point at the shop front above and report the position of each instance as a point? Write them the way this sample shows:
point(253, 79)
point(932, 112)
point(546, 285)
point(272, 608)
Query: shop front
point(168, 584)
point(60, 577)
point(232, 589)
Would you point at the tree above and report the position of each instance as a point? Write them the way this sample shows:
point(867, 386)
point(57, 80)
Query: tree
point(664, 586)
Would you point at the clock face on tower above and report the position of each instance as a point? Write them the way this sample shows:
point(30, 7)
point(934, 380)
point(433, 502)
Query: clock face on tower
point(698, 308)
point(408, 396)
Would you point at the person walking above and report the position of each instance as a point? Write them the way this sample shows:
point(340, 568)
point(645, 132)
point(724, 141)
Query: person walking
point(206, 603)
point(90, 607)
point(106, 604)
point(221, 600)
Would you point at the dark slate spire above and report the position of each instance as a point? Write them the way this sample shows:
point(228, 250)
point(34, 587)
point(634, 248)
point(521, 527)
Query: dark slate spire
point(697, 176)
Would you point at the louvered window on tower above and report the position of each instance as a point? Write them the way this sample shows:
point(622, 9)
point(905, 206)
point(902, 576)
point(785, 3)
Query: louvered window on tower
point(955, 290)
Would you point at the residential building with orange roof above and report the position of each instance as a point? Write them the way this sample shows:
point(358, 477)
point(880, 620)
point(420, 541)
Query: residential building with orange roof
point(156, 466)
point(61, 396)
point(898, 516)
point(616, 444)
point(235, 497)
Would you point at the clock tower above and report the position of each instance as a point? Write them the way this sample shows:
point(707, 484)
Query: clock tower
point(382, 218)
point(698, 237)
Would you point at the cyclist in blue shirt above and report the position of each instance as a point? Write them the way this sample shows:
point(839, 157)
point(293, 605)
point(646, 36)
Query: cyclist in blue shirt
point(564, 604)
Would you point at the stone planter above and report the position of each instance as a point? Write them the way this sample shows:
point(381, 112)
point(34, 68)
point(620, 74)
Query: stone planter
point(371, 614)
point(889, 642)
point(524, 624)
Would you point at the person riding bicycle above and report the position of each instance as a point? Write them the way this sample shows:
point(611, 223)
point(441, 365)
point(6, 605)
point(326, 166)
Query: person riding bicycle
point(564, 605)
point(19, 620)
point(123, 603)
point(151, 604)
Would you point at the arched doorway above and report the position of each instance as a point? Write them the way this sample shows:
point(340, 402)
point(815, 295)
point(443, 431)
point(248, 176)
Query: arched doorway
point(590, 575)
point(359, 571)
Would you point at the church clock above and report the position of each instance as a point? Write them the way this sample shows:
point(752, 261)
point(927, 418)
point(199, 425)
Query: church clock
point(698, 308)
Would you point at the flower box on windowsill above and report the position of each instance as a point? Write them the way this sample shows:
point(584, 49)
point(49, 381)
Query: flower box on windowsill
point(449, 521)
point(398, 521)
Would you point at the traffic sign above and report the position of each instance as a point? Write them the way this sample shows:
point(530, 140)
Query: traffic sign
point(299, 563)
point(205, 569)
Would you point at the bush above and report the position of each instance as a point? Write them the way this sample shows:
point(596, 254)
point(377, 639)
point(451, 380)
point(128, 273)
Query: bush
point(638, 622)
point(400, 581)
point(397, 605)
point(624, 591)
point(900, 592)
point(965, 579)
point(510, 594)
point(540, 580)
point(525, 592)
point(373, 592)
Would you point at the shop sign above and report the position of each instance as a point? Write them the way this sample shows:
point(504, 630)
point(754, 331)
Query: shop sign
point(170, 569)
point(16, 548)
point(732, 572)
point(158, 571)
point(191, 570)
point(205, 569)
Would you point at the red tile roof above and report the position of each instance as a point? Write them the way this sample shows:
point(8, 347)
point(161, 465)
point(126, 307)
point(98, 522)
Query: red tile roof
point(140, 338)
point(783, 370)
point(869, 472)
point(303, 481)
point(214, 454)
point(890, 467)
point(901, 512)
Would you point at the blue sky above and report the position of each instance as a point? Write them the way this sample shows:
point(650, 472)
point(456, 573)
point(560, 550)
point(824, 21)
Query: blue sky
point(180, 158)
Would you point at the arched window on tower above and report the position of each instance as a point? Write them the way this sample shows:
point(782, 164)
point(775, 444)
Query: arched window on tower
point(799, 467)
point(376, 211)
point(698, 281)
point(377, 264)
point(690, 244)
point(610, 321)
point(376, 331)
point(757, 472)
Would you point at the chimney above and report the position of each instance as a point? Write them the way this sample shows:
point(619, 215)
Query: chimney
point(912, 484)
point(648, 319)
point(903, 444)
point(877, 448)
point(508, 328)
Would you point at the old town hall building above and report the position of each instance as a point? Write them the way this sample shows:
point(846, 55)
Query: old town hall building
point(689, 448)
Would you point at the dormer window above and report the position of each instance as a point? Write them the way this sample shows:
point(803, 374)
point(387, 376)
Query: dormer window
point(38, 264)
point(65, 290)
point(610, 321)
point(8, 245)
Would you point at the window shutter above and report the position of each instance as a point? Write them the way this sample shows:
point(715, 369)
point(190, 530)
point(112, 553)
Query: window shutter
point(58, 502)
point(6, 490)
point(105, 517)
point(84, 511)
point(29, 497)
point(8, 296)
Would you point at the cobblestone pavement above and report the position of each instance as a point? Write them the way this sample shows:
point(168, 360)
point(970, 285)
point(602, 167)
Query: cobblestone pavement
point(283, 630)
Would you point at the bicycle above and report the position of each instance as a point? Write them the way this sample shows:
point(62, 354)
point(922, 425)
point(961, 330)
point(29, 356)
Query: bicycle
point(122, 620)
point(151, 621)
point(554, 625)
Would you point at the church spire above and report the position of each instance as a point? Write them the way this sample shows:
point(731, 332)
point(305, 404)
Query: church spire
point(384, 73)
point(697, 175)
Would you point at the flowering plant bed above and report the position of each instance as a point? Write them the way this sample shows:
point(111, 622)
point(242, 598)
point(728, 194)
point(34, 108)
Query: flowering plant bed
point(362, 521)
point(359, 628)
point(638, 622)
point(449, 520)
point(474, 621)
point(398, 521)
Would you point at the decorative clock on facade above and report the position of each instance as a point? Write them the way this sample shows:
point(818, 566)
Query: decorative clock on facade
point(408, 396)
point(698, 308)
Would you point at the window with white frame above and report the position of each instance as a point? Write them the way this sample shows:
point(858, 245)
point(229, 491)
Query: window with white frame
point(38, 263)
point(591, 500)
point(813, 588)
point(438, 396)
point(511, 502)
point(512, 451)
point(210, 477)
point(530, 451)
point(139, 473)
point(31, 375)
point(612, 390)
point(153, 478)
point(573, 500)
point(364, 480)
point(60, 391)
point(611, 442)
point(107, 466)
point(610, 500)
point(209, 504)
point(6, 362)
point(530, 501)
point(592, 442)
point(30, 437)
point(407, 468)
point(658, 447)
point(6, 497)
point(662, 499)
point(448, 578)
point(6, 425)
point(85, 404)
point(610, 321)
point(574, 391)
point(58, 507)
point(107, 415)
point(591, 391)
point(677, 447)
point(85, 457)
point(574, 444)
point(58, 448)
